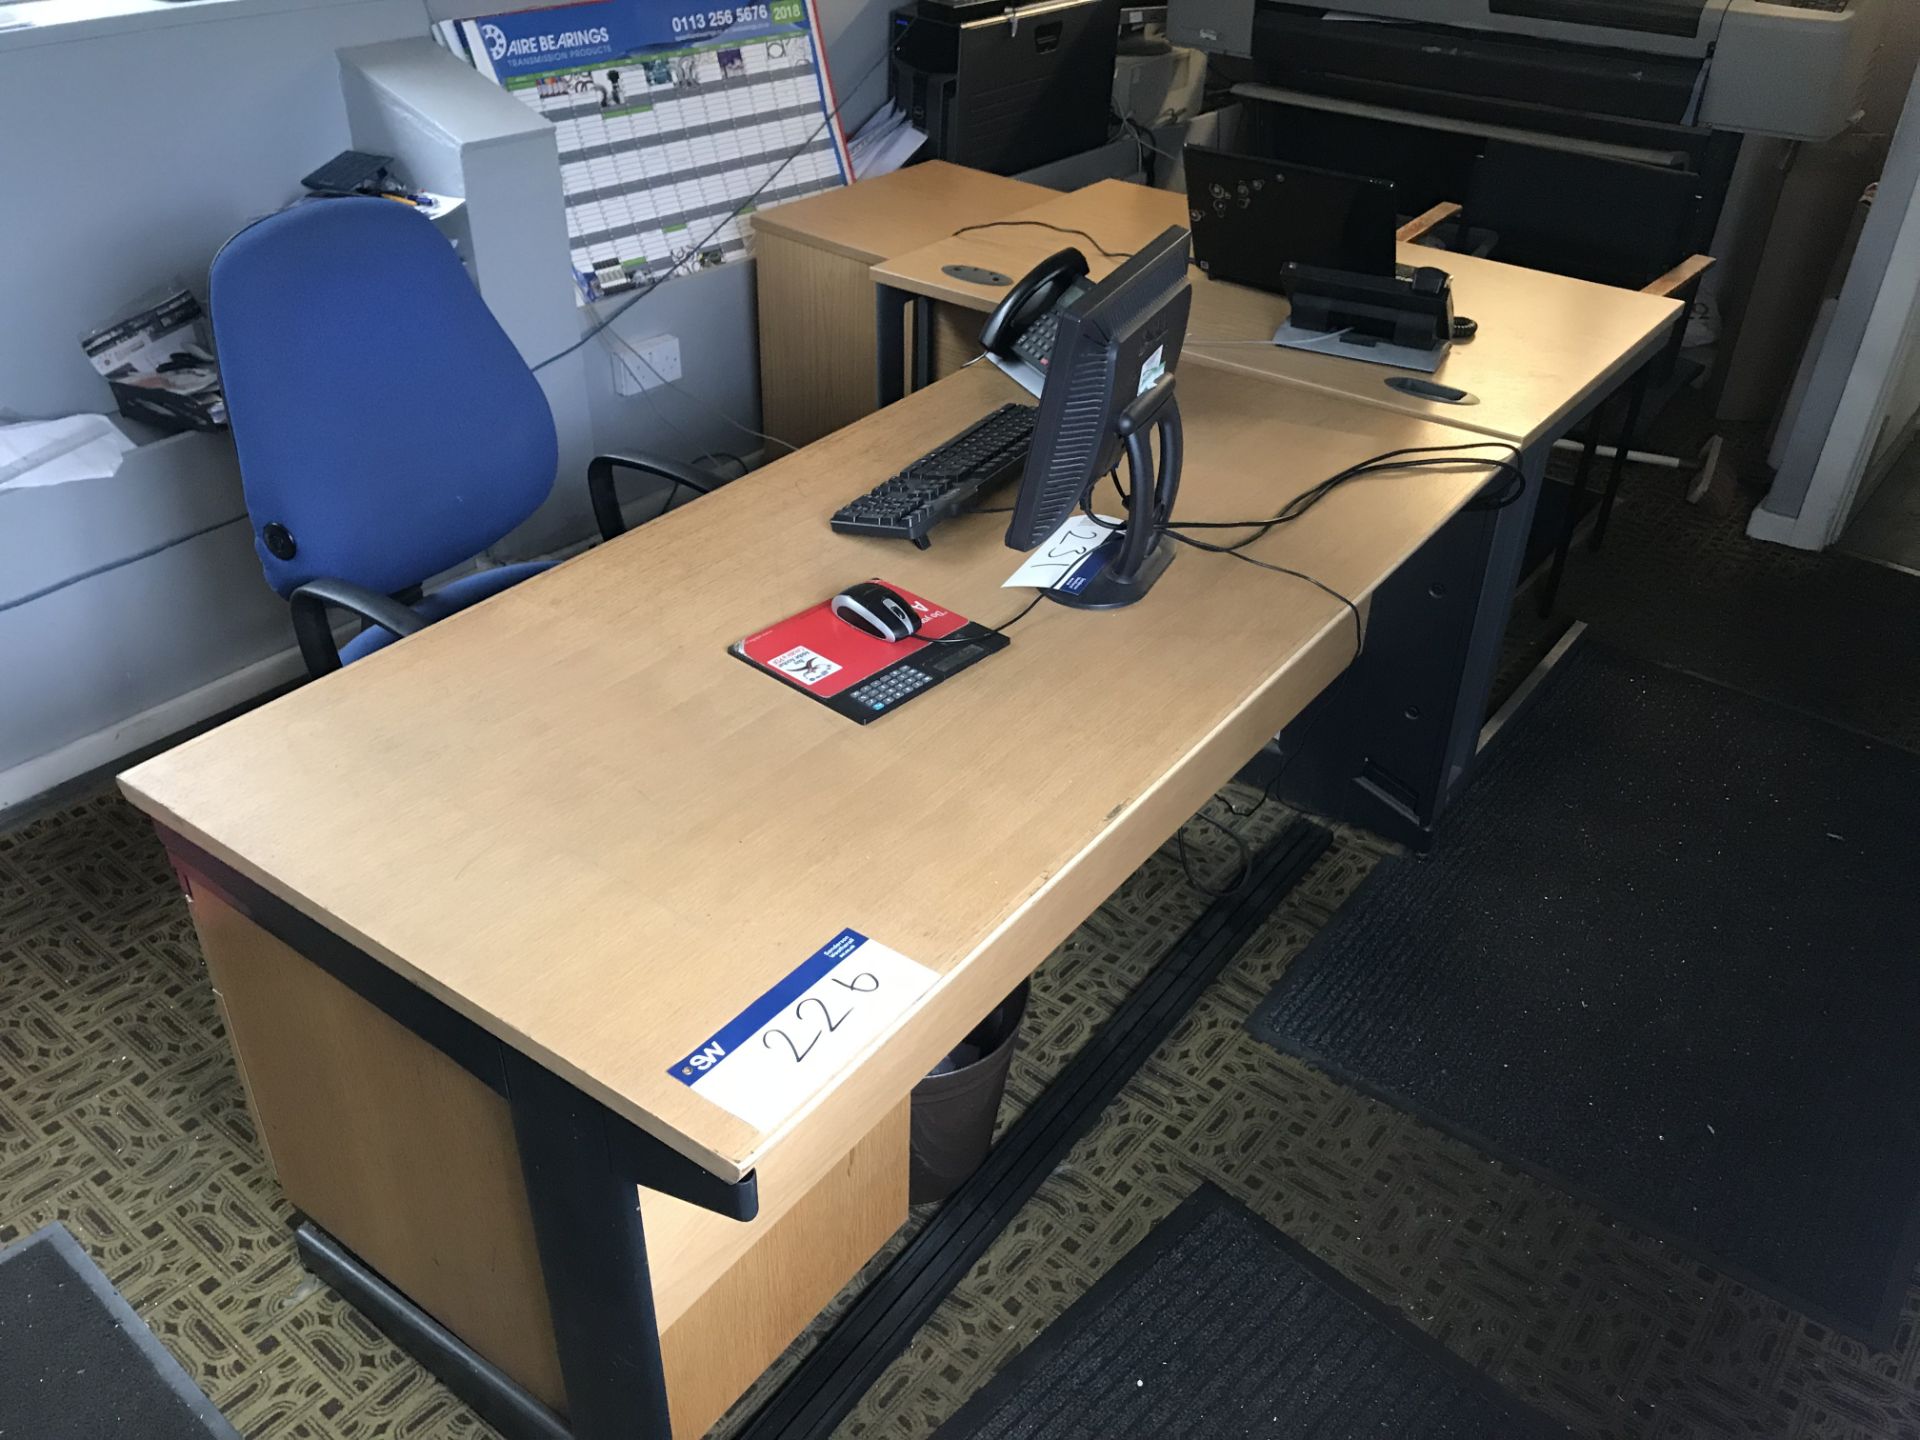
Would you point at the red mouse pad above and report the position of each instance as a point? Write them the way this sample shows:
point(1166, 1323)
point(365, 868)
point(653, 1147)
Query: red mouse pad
point(858, 675)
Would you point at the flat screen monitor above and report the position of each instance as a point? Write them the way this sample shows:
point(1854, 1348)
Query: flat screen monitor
point(1109, 385)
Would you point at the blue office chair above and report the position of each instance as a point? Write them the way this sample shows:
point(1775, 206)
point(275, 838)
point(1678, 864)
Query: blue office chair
point(387, 428)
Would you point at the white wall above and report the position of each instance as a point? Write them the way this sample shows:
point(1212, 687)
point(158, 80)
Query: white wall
point(130, 148)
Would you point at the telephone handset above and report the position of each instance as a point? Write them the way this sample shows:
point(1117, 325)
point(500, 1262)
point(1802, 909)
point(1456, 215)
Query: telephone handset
point(1022, 327)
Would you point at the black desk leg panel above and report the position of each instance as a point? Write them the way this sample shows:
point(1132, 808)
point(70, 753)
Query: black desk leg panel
point(890, 343)
point(1493, 587)
point(1407, 714)
point(493, 1394)
point(922, 342)
point(593, 1253)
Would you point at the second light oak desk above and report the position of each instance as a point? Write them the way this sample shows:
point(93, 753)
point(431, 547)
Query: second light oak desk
point(1547, 343)
point(811, 258)
point(1549, 348)
point(470, 900)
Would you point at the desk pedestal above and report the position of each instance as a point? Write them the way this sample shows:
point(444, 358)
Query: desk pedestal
point(410, 1162)
point(818, 341)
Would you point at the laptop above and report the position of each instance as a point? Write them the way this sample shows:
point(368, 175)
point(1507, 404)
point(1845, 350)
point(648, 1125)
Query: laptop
point(1251, 217)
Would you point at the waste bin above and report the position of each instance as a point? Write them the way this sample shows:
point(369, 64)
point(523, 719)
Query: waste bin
point(955, 1106)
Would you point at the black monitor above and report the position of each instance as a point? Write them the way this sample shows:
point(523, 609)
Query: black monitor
point(1109, 388)
point(1251, 218)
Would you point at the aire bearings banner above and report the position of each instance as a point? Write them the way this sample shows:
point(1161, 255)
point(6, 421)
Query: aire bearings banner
point(674, 123)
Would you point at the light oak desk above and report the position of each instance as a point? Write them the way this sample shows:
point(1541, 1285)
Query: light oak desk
point(1549, 349)
point(468, 900)
point(816, 317)
point(1547, 343)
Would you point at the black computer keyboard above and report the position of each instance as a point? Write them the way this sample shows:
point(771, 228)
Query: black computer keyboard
point(942, 482)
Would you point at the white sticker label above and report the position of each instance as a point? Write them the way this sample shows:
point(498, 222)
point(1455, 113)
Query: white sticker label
point(1068, 558)
point(773, 1056)
point(1152, 369)
point(804, 665)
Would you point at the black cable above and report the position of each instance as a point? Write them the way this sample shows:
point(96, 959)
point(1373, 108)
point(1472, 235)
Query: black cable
point(1428, 457)
point(722, 455)
point(1043, 225)
point(1240, 844)
point(1247, 816)
point(1273, 781)
point(45, 590)
point(1506, 497)
point(1359, 622)
point(1000, 629)
point(1141, 147)
point(655, 283)
point(1424, 457)
point(1024, 611)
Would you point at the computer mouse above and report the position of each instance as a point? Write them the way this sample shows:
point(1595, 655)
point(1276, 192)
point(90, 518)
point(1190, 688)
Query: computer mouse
point(873, 609)
point(1429, 280)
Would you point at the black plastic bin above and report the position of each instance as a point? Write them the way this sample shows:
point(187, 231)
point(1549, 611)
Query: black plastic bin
point(954, 1108)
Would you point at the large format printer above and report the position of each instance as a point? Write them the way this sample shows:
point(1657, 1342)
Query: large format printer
point(1790, 68)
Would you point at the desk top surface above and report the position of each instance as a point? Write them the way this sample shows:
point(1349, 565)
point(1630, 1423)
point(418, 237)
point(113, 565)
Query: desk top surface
point(890, 214)
point(571, 814)
point(1547, 343)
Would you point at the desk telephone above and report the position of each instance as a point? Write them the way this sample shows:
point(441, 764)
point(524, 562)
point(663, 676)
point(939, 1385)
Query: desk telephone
point(1023, 325)
point(949, 479)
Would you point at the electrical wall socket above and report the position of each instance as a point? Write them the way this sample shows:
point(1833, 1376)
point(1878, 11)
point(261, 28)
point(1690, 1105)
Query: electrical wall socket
point(661, 357)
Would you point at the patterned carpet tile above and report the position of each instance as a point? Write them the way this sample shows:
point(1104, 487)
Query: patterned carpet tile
point(121, 1115)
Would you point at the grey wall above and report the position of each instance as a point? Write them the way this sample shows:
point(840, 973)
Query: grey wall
point(129, 149)
point(856, 36)
point(135, 636)
point(710, 312)
point(129, 156)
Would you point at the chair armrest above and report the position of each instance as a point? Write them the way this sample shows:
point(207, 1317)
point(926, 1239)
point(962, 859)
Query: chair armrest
point(1686, 273)
point(315, 633)
point(606, 504)
point(1421, 224)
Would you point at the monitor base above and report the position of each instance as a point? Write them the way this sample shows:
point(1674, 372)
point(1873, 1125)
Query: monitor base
point(1108, 591)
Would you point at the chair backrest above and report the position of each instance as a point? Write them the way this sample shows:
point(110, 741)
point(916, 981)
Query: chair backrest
point(387, 427)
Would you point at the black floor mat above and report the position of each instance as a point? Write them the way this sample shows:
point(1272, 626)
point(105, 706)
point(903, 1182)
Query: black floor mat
point(75, 1361)
point(1216, 1325)
point(1663, 953)
point(1825, 633)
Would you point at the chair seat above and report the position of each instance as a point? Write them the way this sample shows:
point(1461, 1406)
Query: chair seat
point(457, 595)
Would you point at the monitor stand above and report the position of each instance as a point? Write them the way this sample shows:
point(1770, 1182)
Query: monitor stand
point(1145, 548)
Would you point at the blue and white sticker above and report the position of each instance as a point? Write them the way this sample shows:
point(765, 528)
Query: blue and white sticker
point(1070, 557)
point(773, 1056)
point(1151, 370)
